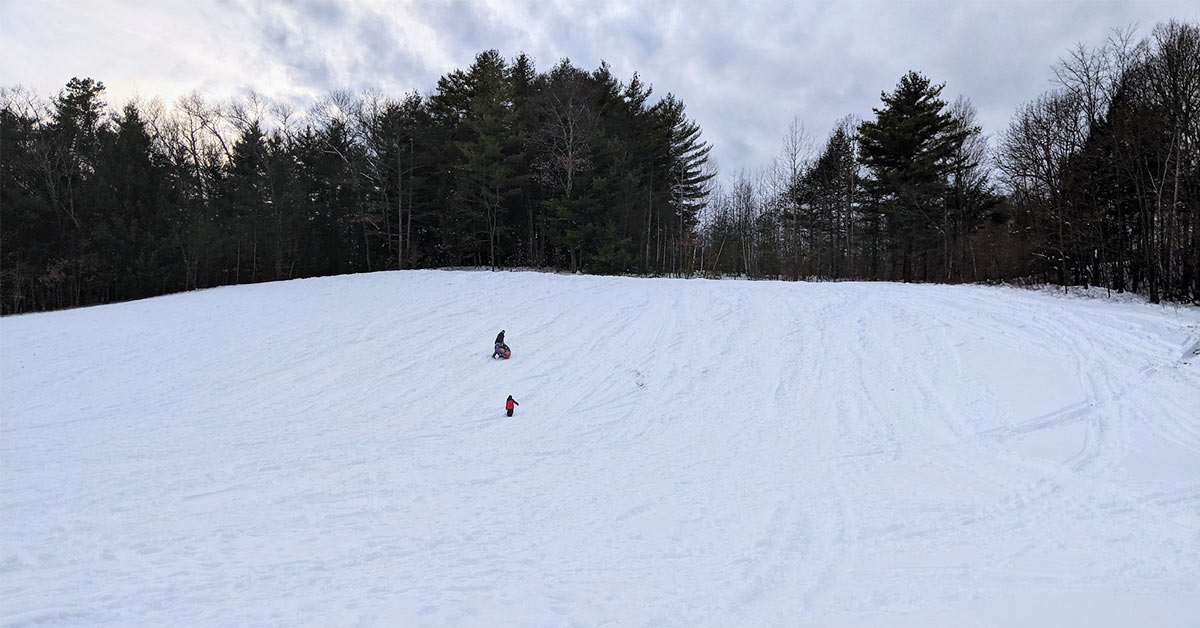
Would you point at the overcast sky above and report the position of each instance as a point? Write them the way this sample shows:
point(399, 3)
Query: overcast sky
point(744, 72)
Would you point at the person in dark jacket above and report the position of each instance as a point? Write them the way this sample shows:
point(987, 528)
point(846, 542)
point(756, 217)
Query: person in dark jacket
point(501, 348)
point(510, 404)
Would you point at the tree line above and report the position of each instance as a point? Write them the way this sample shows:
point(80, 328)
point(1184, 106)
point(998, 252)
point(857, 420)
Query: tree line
point(1095, 183)
point(499, 165)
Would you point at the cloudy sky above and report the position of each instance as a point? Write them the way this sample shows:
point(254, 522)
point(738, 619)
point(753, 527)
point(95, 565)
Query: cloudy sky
point(744, 72)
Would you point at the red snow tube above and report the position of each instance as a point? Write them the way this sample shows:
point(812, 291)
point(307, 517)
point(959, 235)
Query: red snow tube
point(506, 353)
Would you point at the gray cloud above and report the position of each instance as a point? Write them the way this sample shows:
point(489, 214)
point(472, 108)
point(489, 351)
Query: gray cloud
point(745, 72)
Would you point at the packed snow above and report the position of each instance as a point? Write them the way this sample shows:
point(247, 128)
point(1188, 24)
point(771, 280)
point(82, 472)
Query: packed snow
point(335, 452)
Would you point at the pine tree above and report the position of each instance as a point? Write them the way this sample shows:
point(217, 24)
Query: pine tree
point(563, 148)
point(486, 172)
point(907, 149)
point(684, 176)
point(130, 232)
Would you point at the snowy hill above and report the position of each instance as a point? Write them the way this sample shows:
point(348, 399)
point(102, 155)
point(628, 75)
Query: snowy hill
point(334, 452)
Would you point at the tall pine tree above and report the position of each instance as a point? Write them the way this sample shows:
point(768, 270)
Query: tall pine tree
point(907, 150)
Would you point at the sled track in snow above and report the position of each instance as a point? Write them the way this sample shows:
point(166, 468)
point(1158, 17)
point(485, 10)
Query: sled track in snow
point(686, 453)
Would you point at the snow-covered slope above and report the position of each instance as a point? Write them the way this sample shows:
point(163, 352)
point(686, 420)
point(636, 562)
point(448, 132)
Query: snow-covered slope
point(334, 452)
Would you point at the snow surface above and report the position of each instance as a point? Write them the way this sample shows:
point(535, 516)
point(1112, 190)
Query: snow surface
point(334, 452)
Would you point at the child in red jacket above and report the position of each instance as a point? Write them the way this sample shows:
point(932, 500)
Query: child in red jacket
point(508, 405)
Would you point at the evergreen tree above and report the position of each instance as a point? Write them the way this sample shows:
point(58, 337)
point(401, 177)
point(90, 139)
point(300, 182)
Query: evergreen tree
point(563, 146)
point(486, 172)
point(130, 231)
point(826, 190)
point(522, 208)
point(247, 199)
point(28, 229)
point(499, 165)
point(907, 150)
point(684, 176)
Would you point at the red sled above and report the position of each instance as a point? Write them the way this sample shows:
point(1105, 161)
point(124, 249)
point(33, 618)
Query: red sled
point(502, 354)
